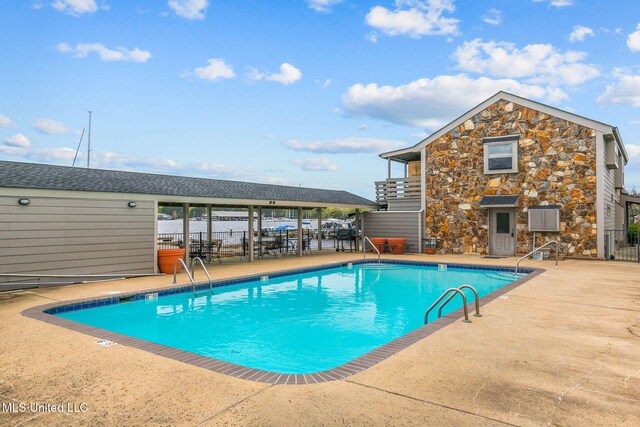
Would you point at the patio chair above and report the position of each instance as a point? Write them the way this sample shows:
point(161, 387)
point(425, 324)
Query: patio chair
point(213, 251)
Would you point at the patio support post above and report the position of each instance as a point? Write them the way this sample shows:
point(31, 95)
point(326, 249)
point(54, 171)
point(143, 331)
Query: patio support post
point(406, 167)
point(389, 168)
point(259, 227)
point(299, 231)
point(250, 237)
point(357, 227)
point(319, 229)
point(209, 226)
point(185, 231)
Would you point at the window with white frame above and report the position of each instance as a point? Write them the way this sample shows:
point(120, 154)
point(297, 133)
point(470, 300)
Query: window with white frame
point(501, 155)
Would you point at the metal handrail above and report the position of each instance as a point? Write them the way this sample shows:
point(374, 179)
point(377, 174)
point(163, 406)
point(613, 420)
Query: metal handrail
point(186, 269)
point(444, 294)
point(193, 260)
point(364, 249)
point(475, 294)
point(536, 250)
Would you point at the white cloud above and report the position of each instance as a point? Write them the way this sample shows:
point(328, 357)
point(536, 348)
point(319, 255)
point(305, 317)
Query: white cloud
point(579, 33)
point(625, 91)
point(538, 63)
point(18, 140)
point(82, 50)
point(414, 18)
point(189, 9)
point(346, 145)
point(633, 40)
point(556, 3)
point(74, 7)
point(324, 83)
point(431, 103)
point(322, 6)
point(216, 69)
point(493, 17)
point(288, 75)
point(633, 151)
point(52, 127)
point(5, 121)
point(561, 3)
point(315, 164)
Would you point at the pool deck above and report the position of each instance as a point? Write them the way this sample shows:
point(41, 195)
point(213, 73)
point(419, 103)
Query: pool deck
point(561, 349)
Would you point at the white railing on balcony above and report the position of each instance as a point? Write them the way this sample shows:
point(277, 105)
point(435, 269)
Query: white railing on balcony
point(396, 188)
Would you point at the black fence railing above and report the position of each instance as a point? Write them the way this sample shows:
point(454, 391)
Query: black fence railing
point(622, 245)
point(270, 242)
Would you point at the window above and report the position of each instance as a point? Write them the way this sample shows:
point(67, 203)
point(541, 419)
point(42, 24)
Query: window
point(501, 155)
point(544, 218)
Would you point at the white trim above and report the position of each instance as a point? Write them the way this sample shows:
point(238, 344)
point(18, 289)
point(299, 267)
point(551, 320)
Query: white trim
point(514, 156)
point(423, 178)
point(155, 239)
point(546, 109)
point(600, 170)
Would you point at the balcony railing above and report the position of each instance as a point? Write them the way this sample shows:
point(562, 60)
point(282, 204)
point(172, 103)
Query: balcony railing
point(397, 188)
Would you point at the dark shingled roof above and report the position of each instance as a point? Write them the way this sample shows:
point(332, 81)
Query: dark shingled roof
point(49, 177)
point(499, 200)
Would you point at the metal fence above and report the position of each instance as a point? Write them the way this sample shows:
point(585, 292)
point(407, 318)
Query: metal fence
point(230, 244)
point(622, 245)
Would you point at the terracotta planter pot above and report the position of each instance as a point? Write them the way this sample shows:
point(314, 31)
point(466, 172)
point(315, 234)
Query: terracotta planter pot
point(430, 251)
point(396, 245)
point(380, 243)
point(166, 259)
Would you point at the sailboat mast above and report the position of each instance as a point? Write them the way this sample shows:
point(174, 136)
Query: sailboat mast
point(89, 144)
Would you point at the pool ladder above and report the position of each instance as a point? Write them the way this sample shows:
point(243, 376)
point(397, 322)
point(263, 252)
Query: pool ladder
point(365, 239)
point(451, 293)
point(191, 275)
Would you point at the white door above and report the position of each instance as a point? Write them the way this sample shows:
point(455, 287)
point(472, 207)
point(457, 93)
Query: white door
point(502, 232)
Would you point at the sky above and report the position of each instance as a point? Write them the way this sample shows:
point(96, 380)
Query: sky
point(297, 92)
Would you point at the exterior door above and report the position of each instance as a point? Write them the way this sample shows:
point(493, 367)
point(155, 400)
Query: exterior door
point(502, 232)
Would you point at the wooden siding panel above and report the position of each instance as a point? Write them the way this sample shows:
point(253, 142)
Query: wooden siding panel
point(394, 224)
point(404, 205)
point(76, 236)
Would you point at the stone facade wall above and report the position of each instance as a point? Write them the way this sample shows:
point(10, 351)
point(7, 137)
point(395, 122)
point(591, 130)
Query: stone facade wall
point(557, 166)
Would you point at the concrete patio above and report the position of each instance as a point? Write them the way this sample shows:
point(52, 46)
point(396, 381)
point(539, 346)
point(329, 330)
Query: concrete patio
point(562, 349)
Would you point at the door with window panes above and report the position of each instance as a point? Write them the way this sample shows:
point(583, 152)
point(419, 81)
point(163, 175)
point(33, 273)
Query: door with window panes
point(502, 231)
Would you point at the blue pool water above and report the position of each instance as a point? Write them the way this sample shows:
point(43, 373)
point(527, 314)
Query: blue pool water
point(301, 323)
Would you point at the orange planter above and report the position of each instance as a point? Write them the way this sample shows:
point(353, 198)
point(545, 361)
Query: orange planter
point(166, 259)
point(380, 243)
point(396, 245)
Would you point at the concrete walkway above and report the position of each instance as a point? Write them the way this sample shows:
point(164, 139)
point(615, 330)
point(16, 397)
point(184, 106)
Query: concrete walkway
point(562, 349)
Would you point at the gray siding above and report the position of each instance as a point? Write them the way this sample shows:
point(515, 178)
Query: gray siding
point(404, 204)
point(76, 236)
point(609, 176)
point(395, 224)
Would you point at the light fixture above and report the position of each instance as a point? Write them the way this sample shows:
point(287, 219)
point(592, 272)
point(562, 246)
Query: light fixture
point(132, 204)
point(24, 201)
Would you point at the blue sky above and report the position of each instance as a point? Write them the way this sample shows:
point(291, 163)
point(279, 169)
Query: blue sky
point(298, 92)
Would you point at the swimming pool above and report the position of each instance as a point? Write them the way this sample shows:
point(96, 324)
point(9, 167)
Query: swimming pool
point(295, 323)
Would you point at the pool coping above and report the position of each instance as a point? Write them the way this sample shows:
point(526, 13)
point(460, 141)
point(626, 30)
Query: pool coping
point(354, 366)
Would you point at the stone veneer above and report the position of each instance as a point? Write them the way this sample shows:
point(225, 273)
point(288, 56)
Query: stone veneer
point(557, 166)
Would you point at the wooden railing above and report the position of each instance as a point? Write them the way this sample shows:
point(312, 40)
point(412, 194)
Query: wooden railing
point(396, 188)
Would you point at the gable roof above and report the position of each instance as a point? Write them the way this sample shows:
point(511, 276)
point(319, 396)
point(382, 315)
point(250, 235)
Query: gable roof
point(534, 105)
point(50, 177)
